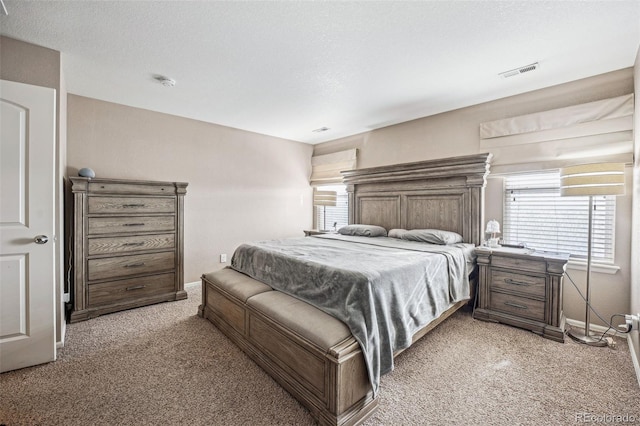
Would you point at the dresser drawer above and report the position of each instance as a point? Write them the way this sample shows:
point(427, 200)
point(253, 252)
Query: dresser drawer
point(518, 306)
point(114, 187)
point(124, 290)
point(122, 266)
point(130, 225)
point(127, 205)
point(526, 284)
point(115, 245)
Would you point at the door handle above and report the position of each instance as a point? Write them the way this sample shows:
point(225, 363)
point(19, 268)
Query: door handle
point(41, 239)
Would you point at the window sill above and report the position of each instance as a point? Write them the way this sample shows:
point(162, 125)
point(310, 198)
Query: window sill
point(602, 268)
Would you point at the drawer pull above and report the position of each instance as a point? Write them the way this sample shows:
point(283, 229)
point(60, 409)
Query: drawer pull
point(133, 205)
point(134, 265)
point(515, 305)
point(136, 287)
point(133, 244)
point(514, 282)
point(133, 224)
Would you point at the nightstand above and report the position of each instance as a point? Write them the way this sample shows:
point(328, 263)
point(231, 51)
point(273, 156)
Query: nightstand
point(308, 232)
point(522, 288)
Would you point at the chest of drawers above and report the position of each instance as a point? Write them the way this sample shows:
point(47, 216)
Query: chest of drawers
point(522, 288)
point(127, 244)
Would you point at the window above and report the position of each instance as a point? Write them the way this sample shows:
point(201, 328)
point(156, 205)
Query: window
point(326, 216)
point(536, 214)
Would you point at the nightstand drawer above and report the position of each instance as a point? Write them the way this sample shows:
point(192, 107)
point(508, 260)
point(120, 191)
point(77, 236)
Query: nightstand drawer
point(519, 306)
point(526, 284)
point(130, 225)
point(518, 264)
point(129, 205)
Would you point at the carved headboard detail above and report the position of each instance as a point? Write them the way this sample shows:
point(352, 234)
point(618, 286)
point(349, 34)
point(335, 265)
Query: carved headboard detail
point(446, 193)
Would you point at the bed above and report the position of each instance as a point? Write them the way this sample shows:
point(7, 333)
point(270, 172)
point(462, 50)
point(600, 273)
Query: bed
point(305, 336)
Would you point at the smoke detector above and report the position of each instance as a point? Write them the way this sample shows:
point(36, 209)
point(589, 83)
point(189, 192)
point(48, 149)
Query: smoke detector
point(520, 70)
point(165, 81)
point(320, 130)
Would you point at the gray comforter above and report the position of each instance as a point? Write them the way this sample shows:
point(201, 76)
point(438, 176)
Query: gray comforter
point(384, 289)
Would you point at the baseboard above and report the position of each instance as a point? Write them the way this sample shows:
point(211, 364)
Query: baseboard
point(634, 348)
point(193, 284)
point(593, 327)
point(63, 332)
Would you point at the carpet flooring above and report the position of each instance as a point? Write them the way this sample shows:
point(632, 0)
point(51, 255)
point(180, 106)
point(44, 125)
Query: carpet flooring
point(162, 364)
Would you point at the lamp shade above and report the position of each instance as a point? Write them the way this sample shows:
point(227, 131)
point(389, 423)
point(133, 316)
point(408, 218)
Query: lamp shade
point(325, 198)
point(493, 227)
point(592, 179)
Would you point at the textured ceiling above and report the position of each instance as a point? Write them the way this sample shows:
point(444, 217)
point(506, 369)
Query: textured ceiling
point(287, 68)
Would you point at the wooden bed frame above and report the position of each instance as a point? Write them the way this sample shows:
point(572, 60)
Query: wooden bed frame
point(330, 377)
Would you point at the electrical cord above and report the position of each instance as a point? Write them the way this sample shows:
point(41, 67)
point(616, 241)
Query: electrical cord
point(597, 314)
point(612, 327)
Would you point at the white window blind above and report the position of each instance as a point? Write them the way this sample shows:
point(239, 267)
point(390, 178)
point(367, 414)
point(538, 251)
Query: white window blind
point(536, 214)
point(326, 216)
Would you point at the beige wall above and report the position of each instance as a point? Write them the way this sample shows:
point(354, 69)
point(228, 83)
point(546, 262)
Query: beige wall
point(30, 64)
point(457, 133)
point(242, 186)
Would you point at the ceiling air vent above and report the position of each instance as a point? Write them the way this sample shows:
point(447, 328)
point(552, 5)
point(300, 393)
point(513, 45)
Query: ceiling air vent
point(521, 70)
point(165, 81)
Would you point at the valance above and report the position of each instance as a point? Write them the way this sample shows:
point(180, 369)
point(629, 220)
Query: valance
point(598, 111)
point(325, 169)
point(600, 129)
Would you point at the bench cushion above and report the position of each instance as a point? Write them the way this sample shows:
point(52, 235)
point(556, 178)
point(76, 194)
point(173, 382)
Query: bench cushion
point(237, 284)
point(308, 321)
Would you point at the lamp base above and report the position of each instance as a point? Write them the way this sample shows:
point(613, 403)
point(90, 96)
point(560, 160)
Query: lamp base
point(580, 337)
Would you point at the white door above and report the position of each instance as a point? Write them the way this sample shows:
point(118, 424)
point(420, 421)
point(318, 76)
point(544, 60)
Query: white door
point(27, 179)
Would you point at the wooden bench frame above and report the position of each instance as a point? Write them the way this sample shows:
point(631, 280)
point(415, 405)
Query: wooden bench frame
point(346, 397)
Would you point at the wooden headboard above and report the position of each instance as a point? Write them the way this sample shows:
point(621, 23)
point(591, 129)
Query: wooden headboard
point(446, 194)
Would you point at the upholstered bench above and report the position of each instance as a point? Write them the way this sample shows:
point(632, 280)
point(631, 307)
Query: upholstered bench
point(310, 353)
point(230, 291)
